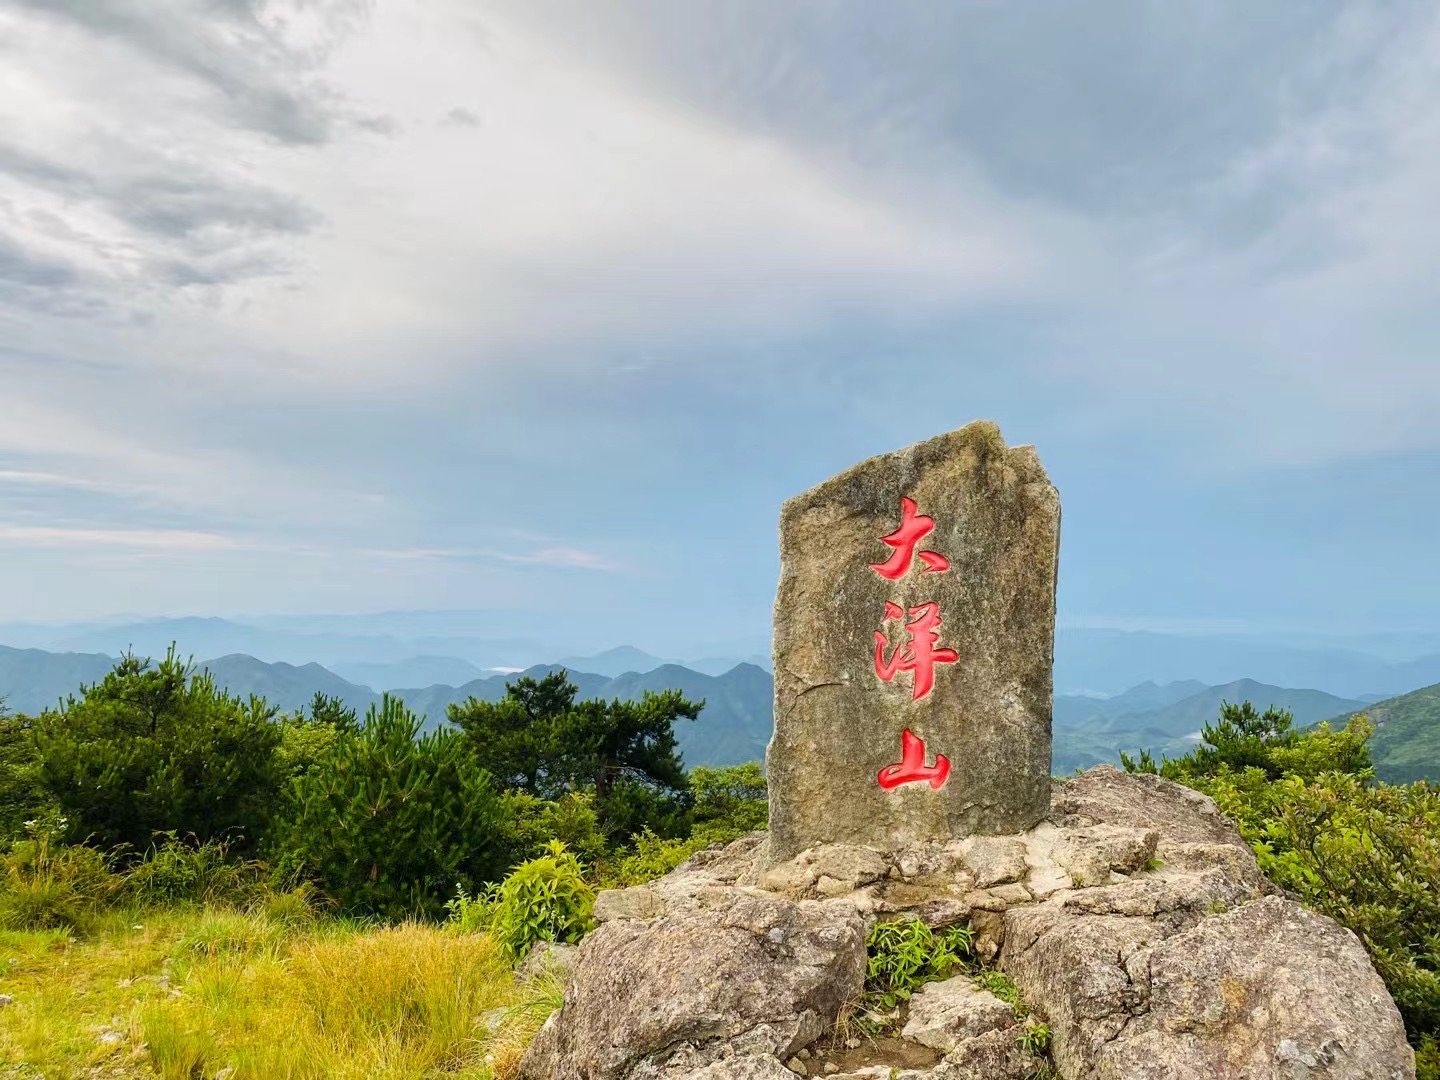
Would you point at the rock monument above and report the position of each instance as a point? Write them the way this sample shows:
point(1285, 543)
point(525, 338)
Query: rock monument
point(914, 641)
point(910, 780)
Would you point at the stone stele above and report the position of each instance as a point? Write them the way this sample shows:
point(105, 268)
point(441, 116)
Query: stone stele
point(988, 565)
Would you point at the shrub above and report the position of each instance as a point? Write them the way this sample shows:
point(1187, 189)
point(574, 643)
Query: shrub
point(571, 819)
point(22, 796)
point(653, 857)
point(545, 899)
point(46, 885)
point(390, 821)
point(729, 802)
point(180, 872)
point(905, 954)
point(146, 750)
point(470, 914)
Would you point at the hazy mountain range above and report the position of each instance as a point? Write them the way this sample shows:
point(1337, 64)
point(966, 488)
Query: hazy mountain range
point(735, 724)
point(425, 648)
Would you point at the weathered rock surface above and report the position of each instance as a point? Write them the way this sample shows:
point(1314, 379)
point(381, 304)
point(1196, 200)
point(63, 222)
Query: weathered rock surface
point(1177, 963)
point(1266, 990)
point(996, 519)
point(944, 1014)
point(739, 973)
point(546, 958)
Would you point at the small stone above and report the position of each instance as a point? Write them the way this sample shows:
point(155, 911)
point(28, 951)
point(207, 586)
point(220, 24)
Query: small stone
point(993, 860)
point(7, 999)
point(943, 1014)
point(638, 903)
point(797, 1066)
point(831, 1068)
point(803, 1054)
point(789, 878)
point(852, 1044)
point(546, 957)
point(110, 1038)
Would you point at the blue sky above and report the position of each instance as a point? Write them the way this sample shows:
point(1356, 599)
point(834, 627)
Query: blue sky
point(546, 307)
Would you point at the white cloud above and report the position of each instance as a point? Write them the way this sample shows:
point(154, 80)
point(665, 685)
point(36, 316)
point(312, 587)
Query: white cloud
point(50, 536)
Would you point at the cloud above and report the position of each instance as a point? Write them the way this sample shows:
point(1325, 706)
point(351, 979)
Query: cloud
point(239, 51)
point(552, 557)
point(462, 117)
point(53, 536)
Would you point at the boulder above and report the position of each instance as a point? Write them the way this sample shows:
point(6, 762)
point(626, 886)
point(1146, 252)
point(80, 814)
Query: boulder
point(1155, 986)
point(739, 974)
point(944, 1014)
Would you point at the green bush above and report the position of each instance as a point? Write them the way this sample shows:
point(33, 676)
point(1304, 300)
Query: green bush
point(545, 899)
point(147, 750)
point(194, 872)
point(47, 885)
point(652, 857)
point(390, 821)
point(904, 954)
point(729, 802)
point(22, 796)
point(571, 819)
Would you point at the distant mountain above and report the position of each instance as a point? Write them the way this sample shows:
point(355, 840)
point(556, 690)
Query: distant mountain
point(287, 687)
point(613, 662)
point(32, 680)
point(733, 727)
point(1171, 729)
point(413, 671)
point(1111, 660)
point(1406, 743)
point(718, 665)
point(1077, 709)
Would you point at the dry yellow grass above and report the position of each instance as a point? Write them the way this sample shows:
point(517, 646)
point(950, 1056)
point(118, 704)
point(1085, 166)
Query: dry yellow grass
point(182, 996)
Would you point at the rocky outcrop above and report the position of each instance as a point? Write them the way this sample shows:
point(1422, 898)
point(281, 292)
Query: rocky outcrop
point(1133, 920)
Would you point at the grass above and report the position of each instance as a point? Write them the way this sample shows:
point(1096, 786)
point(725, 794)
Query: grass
point(183, 995)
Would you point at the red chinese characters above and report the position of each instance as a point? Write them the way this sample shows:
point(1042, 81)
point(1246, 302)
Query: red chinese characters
point(921, 650)
point(914, 527)
point(920, 654)
point(911, 767)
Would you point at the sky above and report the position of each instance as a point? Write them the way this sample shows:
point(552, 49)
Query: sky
point(544, 307)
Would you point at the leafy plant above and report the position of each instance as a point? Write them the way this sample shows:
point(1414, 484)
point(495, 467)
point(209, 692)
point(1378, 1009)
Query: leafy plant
point(470, 914)
point(1034, 1038)
point(999, 984)
point(904, 954)
point(545, 899)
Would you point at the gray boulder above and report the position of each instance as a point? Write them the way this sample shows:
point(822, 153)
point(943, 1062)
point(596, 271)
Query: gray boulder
point(740, 973)
point(945, 1014)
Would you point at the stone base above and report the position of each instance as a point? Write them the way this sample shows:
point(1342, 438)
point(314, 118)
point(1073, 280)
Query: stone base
point(1134, 921)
